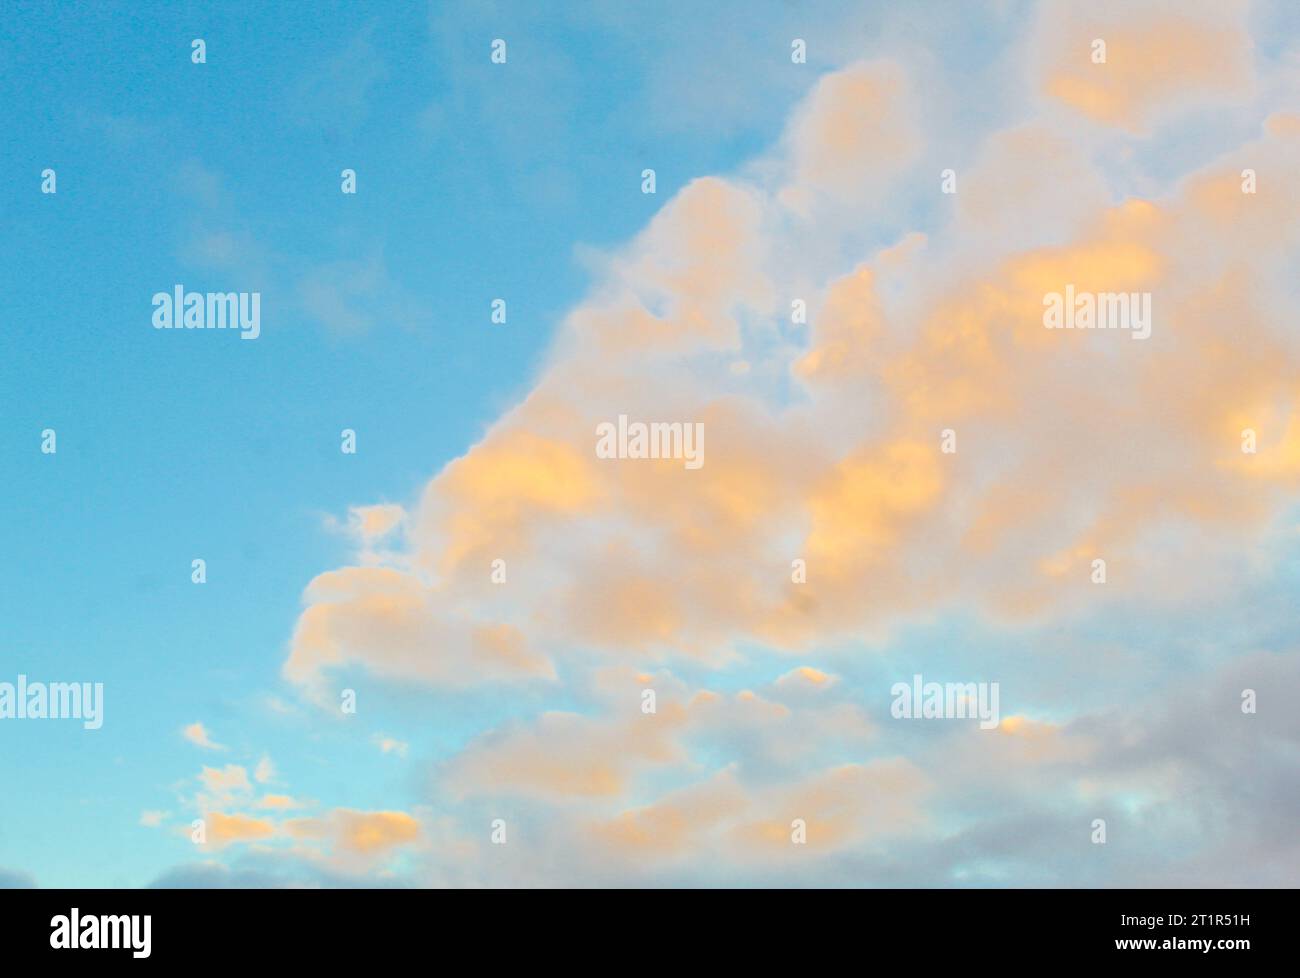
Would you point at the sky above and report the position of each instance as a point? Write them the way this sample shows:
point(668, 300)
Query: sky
point(425, 662)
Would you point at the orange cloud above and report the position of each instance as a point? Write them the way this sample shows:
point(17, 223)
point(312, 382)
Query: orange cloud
point(390, 620)
point(368, 833)
point(223, 830)
point(198, 735)
point(1070, 445)
point(564, 755)
point(346, 833)
point(1158, 55)
point(279, 802)
point(854, 131)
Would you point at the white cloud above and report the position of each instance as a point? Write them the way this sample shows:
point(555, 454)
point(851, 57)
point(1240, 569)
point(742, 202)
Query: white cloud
point(264, 773)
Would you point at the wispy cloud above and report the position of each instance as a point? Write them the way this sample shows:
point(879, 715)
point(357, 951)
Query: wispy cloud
point(197, 734)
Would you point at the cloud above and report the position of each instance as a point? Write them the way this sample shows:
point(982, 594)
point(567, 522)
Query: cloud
point(352, 833)
point(262, 869)
point(1159, 56)
point(197, 734)
point(770, 735)
point(389, 619)
point(390, 745)
point(806, 677)
point(828, 448)
point(341, 842)
point(264, 773)
point(851, 135)
point(646, 559)
point(371, 522)
point(965, 806)
point(223, 787)
point(12, 880)
point(223, 829)
point(836, 808)
point(335, 96)
point(355, 295)
point(280, 802)
point(563, 755)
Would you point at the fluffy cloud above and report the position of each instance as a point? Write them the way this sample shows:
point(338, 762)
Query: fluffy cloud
point(341, 840)
point(824, 445)
point(1159, 56)
point(369, 522)
point(1071, 445)
point(222, 787)
point(855, 131)
point(222, 829)
point(397, 625)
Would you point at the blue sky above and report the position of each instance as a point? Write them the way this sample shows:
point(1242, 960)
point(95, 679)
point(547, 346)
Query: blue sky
point(523, 181)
